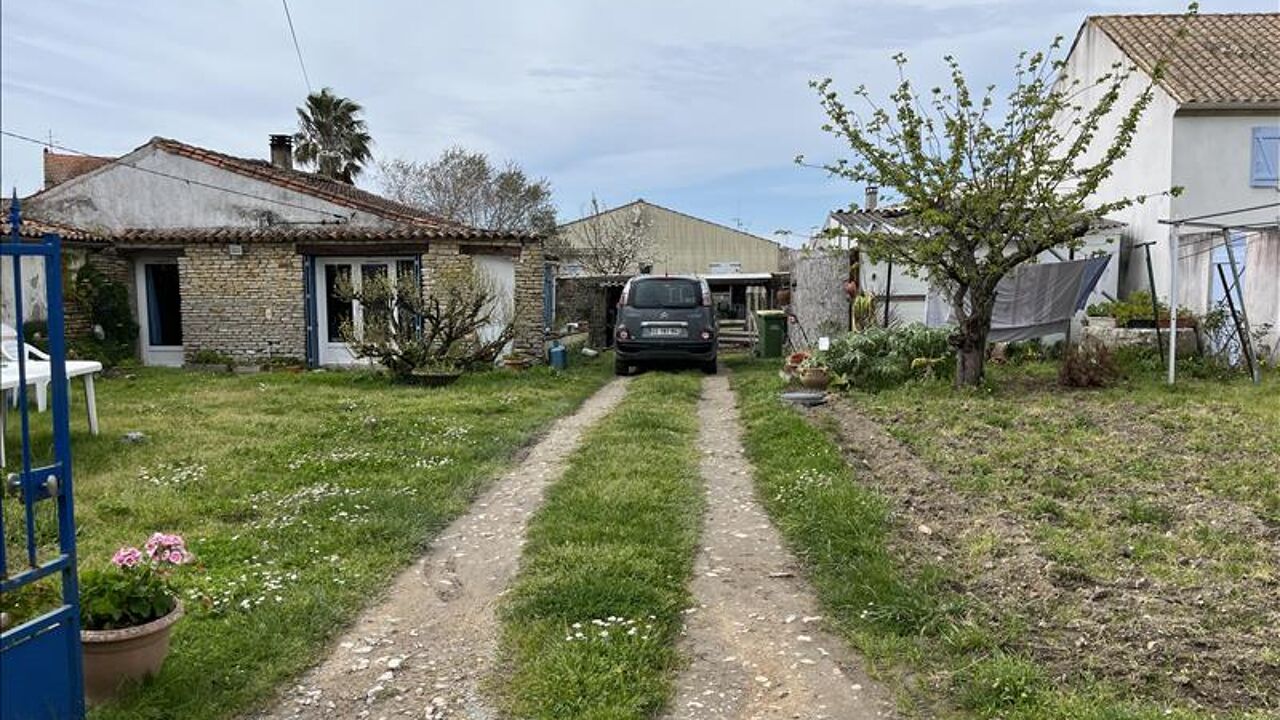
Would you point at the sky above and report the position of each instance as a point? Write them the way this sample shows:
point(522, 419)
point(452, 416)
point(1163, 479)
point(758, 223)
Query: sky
point(700, 106)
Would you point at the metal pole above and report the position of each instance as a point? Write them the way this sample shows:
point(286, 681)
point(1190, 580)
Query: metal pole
point(1155, 299)
point(1231, 305)
point(888, 292)
point(1174, 232)
point(1247, 337)
point(1071, 255)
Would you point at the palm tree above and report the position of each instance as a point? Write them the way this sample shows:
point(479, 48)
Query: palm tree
point(332, 137)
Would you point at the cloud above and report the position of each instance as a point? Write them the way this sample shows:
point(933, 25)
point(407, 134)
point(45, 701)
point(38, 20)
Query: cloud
point(703, 103)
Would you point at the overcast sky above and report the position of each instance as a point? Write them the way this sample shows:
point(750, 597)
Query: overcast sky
point(697, 105)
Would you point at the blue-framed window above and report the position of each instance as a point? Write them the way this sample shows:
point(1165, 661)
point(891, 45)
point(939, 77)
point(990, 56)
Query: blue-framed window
point(1264, 167)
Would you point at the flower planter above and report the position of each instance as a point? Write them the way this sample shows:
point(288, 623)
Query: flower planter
point(432, 378)
point(815, 378)
point(115, 657)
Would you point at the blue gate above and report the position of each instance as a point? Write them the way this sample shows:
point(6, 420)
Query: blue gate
point(40, 664)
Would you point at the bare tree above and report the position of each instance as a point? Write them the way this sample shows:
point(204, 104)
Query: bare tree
point(610, 242)
point(467, 187)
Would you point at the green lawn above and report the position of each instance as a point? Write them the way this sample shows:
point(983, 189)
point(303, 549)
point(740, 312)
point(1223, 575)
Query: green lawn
point(301, 495)
point(590, 626)
point(1098, 554)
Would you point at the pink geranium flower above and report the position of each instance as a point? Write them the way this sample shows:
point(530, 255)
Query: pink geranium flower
point(127, 557)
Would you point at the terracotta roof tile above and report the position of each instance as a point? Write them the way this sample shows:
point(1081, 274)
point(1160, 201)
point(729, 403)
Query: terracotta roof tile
point(1231, 58)
point(315, 233)
point(308, 183)
point(59, 168)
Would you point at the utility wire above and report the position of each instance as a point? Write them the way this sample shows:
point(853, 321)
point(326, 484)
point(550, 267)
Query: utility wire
point(189, 181)
point(297, 48)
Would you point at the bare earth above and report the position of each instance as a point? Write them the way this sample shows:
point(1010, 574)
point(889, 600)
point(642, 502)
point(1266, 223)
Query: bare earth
point(423, 651)
point(755, 638)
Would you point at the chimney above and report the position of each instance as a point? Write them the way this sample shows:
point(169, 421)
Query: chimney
point(873, 196)
point(282, 151)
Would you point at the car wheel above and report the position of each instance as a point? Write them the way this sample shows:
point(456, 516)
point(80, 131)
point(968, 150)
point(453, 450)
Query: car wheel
point(621, 368)
point(709, 367)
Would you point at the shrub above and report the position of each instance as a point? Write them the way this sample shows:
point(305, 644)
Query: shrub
point(878, 358)
point(114, 335)
point(1088, 365)
point(409, 331)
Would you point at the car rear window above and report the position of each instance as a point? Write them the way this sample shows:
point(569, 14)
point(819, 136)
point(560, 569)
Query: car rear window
point(665, 294)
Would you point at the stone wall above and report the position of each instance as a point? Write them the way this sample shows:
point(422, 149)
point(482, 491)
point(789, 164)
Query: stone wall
point(585, 299)
point(819, 302)
point(529, 332)
point(249, 307)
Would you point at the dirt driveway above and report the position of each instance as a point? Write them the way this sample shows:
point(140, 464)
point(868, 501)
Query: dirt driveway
point(755, 641)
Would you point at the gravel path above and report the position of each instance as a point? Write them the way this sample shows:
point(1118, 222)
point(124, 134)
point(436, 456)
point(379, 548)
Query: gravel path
point(424, 649)
point(755, 638)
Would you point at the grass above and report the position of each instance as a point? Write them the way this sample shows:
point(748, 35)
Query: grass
point(590, 625)
point(301, 495)
point(1141, 584)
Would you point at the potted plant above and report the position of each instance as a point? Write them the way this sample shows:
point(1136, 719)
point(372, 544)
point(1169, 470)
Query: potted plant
point(794, 361)
point(127, 613)
point(814, 373)
point(435, 374)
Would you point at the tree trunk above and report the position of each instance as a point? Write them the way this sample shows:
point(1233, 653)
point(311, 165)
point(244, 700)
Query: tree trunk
point(970, 341)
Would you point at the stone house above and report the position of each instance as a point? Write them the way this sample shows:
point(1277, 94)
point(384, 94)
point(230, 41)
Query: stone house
point(242, 257)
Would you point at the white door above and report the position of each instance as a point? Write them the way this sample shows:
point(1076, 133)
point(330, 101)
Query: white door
point(502, 270)
point(334, 314)
point(159, 311)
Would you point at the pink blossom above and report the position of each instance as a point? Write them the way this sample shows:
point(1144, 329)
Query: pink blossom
point(159, 545)
point(176, 556)
point(127, 557)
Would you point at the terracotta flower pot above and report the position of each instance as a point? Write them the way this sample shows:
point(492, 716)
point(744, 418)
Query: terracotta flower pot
point(113, 657)
point(815, 378)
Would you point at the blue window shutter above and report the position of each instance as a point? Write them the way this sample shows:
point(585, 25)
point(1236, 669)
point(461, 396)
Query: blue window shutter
point(1265, 159)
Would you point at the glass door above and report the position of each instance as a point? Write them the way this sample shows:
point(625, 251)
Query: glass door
point(338, 316)
point(159, 311)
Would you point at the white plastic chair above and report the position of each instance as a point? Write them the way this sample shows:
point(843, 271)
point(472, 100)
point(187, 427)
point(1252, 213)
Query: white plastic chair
point(39, 370)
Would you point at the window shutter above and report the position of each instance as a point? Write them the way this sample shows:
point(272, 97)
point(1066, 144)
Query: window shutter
point(1265, 165)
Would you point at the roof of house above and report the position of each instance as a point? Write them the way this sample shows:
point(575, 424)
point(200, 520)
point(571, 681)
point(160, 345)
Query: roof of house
point(334, 191)
point(67, 167)
point(642, 201)
point(1211, 59)
point(35, 228)
point(327, 232)
point(59, 167)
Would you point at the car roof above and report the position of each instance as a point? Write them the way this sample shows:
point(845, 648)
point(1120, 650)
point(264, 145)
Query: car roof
point(643, 278)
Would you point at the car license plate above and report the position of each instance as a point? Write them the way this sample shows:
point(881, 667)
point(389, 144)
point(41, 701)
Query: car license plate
point(664, 332)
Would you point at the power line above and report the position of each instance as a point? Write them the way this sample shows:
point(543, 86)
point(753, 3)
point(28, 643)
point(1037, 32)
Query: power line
point(296, 47)
point(189, 181)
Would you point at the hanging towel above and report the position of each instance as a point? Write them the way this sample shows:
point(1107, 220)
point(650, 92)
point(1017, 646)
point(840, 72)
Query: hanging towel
point(1040, 299)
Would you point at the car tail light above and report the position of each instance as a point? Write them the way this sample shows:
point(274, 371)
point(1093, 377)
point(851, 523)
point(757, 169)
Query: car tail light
point(706, 334)
point(623, 333)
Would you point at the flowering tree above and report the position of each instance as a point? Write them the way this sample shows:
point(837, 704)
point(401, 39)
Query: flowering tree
point(984, 194)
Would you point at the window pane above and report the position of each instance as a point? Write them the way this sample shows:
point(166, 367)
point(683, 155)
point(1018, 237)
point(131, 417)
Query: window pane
point(665, 294)
point(337, 309)
point(406, 269)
